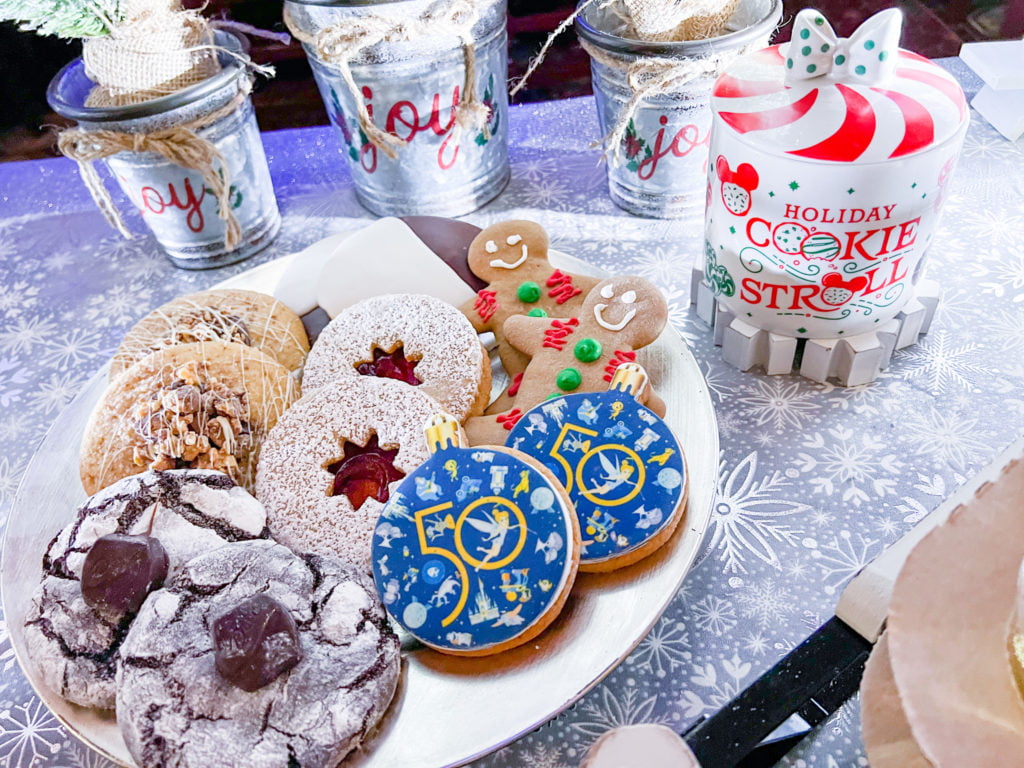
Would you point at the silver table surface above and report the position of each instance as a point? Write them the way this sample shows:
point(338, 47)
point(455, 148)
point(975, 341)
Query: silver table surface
point(815, 480)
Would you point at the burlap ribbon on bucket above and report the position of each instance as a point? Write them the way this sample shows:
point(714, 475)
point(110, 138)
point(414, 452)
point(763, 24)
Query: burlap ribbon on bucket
point(180, 144)
point(674, 20)
point(158, 49)
point(340, 44)
point(651, 76)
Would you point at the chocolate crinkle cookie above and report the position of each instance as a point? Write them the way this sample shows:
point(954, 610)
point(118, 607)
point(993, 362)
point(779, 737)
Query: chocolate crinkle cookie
point(257, 657)
point(124, 542)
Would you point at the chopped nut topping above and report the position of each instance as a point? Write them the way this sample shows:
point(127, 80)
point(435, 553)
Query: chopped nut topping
point(192, 423)
point(207, 324)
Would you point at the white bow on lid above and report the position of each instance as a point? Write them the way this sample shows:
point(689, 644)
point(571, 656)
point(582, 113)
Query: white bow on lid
point(867, 56)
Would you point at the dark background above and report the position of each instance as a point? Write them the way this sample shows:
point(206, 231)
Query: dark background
point(933, 28)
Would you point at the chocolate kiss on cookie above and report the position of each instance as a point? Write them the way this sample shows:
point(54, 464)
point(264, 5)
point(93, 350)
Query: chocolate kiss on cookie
point(255, 642)
point(191, 406)
point(120, 570)
point(335, 457)
point(98, 570)
point(227, 314)
point(477, 549)
point(622, 467)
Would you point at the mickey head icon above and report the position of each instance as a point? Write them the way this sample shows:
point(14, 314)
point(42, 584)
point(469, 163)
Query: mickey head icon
point(736, 185)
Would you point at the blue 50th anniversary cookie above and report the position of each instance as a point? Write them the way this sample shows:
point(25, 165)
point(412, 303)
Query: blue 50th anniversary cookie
point(621, 464)
point(475, 548)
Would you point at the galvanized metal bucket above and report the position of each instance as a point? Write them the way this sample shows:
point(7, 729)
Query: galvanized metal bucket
point(657, 165)
point(412, 89)
point(176, 204)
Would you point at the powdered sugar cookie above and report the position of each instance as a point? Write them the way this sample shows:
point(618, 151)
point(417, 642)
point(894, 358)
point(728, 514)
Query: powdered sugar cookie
point(332, 461)
point(476, 551)
point(80, 614)
point(512, 257)
point(413, 338)
point(578, 353)
point(203, 406)
point(255, 656)
point(232, 315)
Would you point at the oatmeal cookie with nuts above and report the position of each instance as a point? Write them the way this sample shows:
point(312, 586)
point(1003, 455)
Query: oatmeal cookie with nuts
point(192, 406)
point(232, 315)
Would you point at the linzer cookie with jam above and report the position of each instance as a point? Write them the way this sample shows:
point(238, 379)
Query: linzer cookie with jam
point(202, 406)
point(232, 315)
point(333, 460)
point(412, 338)
point(255, 656)
point(123, 543)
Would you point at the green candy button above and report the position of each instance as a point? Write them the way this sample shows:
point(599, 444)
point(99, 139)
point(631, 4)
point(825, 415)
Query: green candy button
point(528, 292)
point(587, 350)
point(568, 379)
point(536, 312)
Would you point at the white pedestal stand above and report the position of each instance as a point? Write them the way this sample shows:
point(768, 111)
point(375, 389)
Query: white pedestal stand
point(851, 361)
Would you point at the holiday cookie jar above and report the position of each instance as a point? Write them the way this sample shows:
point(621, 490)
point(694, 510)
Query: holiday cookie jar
point(828, 163)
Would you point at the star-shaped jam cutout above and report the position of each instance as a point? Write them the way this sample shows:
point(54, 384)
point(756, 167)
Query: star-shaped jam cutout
point(390, 365)
point(365, 472)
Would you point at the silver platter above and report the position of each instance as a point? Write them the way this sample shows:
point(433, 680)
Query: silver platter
point(448, 711)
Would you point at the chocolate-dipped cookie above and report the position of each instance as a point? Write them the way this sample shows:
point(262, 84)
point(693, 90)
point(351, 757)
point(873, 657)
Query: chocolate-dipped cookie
point(99, 569)
point(255, 656)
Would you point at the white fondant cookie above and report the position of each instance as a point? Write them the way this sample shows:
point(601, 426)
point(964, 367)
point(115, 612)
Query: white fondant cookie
point(386, 257)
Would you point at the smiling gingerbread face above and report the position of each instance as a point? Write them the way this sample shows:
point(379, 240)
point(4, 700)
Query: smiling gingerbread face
point(506, 250)
point(630, 307)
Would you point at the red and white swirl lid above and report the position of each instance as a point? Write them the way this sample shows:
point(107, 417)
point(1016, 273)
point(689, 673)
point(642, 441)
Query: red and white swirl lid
point(857, 99)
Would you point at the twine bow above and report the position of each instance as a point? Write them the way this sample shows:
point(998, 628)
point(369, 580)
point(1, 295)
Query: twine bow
point(341, 43)
point(867, 56)
point(180, 145)
point(652, 76)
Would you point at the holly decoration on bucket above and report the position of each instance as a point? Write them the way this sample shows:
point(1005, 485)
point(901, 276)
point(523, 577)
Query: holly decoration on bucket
point(493, 115)
point(634, 147)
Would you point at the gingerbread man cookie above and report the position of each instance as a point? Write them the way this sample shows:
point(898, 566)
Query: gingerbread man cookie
point(512, 257)
point(578, 353)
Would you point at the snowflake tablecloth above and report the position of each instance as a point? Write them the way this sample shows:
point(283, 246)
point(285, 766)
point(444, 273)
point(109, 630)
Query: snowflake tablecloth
point(815, 480)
